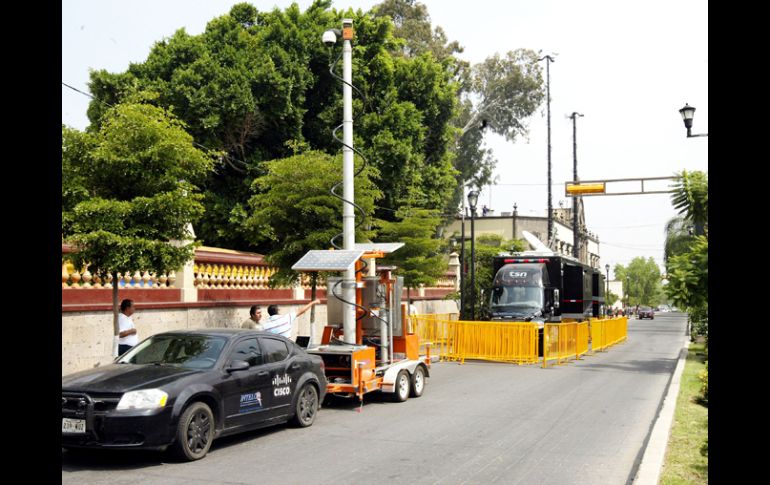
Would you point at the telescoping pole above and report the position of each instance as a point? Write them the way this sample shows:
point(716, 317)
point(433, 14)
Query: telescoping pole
point(348, 217)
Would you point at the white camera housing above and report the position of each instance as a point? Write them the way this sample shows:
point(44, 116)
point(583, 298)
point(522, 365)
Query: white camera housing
point(329, 38)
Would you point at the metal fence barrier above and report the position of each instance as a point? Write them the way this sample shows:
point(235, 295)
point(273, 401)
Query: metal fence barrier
point(606, 332)
point(457, 340)
point(516, 342)
point(562, 341)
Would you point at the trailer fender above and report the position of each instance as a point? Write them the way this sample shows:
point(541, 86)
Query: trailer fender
point(389, 378)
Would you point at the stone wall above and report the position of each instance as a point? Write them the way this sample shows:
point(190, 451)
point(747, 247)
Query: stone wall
point(87, 336)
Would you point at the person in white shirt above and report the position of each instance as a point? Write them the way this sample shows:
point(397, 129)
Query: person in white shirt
point(282, 324)
point(128, 337)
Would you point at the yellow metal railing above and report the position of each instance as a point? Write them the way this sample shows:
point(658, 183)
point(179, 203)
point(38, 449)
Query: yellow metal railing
point(608, 332)
point(563, 341)
point(515, 342)
point(457, 340)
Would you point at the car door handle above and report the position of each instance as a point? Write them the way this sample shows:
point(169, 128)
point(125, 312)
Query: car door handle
point(263, 373)
point(295, 366)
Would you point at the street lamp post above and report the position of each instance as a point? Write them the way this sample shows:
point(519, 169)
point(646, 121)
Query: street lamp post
point(515, 214)
point(473, 198)
point(607, 292)
point(628, 292)
point(577, 200)
point(462, 258)
point(688, 113)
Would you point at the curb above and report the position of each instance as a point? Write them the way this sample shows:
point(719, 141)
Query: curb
point(655, 451)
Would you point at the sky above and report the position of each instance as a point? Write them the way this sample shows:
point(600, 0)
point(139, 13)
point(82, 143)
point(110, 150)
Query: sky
point(627, 66)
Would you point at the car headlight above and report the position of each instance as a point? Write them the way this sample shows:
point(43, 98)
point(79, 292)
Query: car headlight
point(144, 399)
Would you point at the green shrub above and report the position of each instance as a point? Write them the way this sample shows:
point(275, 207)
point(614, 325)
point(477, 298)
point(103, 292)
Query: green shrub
point(704, 389)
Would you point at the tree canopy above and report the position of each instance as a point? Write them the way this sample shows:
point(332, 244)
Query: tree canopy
point(129, 190)
point(641, 281)
point(298, 221)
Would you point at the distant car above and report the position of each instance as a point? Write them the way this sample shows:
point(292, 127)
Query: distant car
point(184, 389)
point(645, 312)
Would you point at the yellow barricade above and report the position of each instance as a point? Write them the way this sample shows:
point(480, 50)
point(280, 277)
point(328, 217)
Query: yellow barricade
point(459, 340)
point(516, 342)
point(563, 341)
point(607, 332)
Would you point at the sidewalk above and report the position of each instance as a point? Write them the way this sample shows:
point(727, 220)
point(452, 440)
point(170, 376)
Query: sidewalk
point(655, 450)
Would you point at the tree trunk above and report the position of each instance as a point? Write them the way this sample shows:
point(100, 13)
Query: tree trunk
point(115, 310)
point(313, 285)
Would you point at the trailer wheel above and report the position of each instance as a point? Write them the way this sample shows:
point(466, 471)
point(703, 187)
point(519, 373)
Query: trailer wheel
point(402, 387)
point(418, 382)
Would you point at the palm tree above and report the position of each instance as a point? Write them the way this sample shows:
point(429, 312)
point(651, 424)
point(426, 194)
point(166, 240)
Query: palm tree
point(691, 197)
point(679, 236)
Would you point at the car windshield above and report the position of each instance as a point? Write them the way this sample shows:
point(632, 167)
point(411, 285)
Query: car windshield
point(191, 351)
point(645, 309)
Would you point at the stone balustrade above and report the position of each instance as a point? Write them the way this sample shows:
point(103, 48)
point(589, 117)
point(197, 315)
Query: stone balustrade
point(215, 274)
point(223, 276)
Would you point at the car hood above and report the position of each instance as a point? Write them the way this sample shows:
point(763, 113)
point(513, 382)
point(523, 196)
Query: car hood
point(124, 377)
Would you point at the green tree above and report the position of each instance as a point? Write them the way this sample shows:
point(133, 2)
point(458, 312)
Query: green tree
point(412, 24)
point(641, 280)
point(128, 193)
point(421, 259)
point(487, 247)
point(255, 84)
point(293, 208)
point(688, 283)
point(687, 258)
point(679, 237)
point(691, 196)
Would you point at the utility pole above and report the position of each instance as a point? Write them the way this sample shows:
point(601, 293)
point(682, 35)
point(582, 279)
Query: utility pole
point(577, 200)
point(548, 61)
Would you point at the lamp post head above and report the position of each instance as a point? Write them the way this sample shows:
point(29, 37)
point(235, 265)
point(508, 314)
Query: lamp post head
point(607, 267)
point(473, 198)
point(688, 113)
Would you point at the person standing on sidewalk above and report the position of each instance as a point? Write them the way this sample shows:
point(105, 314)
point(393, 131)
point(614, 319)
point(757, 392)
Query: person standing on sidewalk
point(255, 315)
point(282, 324)
point(128, 337)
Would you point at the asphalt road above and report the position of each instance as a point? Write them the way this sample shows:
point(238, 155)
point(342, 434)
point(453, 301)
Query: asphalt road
point(585, 422)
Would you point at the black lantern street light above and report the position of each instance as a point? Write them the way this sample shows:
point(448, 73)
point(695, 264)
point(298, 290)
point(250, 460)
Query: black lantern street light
point(688, 113)
point(473, 198)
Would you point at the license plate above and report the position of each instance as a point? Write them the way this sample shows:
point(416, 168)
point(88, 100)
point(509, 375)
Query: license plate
point(73, 425)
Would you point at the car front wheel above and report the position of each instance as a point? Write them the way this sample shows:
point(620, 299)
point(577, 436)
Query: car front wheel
point(194, 432)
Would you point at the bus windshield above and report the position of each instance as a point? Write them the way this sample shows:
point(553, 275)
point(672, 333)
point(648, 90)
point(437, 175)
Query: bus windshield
point(519, 287)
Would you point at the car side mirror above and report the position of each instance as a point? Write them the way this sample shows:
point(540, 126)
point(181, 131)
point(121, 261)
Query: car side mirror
point(236, 365)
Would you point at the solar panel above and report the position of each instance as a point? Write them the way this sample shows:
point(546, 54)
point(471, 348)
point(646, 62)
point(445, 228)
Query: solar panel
point(327, 260)
point(379, 247)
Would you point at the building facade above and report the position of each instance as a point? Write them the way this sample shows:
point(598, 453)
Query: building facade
point(510, 225)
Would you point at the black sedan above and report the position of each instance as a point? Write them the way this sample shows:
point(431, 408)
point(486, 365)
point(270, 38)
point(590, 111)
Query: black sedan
point(184, 389)
point(646, 312)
